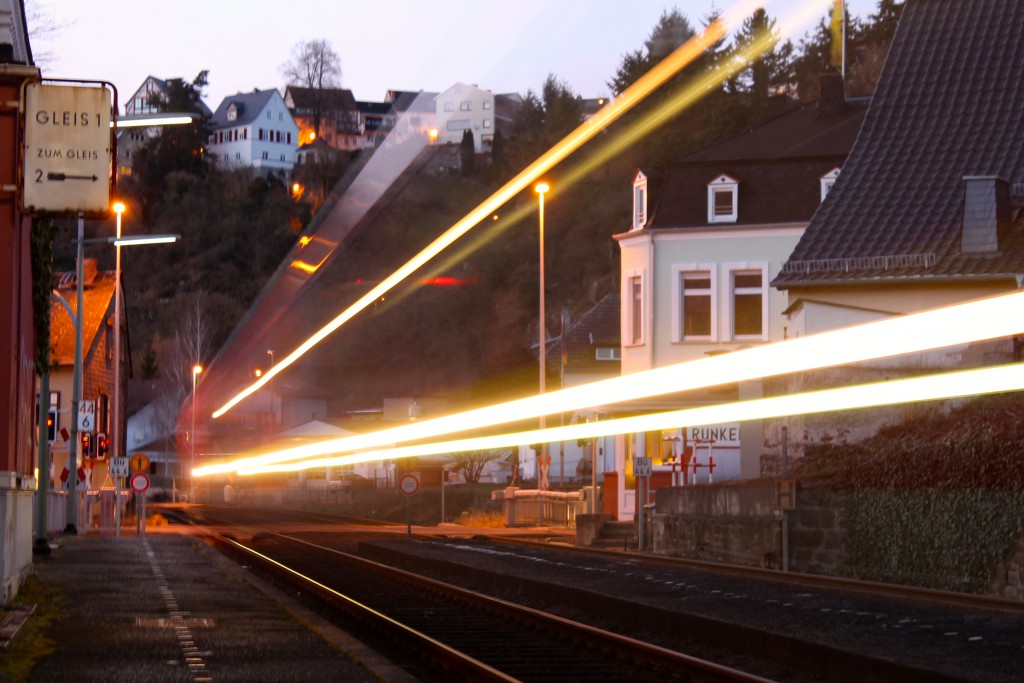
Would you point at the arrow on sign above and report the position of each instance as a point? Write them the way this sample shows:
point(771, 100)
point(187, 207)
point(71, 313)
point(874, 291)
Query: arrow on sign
point(64, 176)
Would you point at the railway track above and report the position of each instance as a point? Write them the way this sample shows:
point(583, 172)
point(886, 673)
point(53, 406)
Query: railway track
point(449, 633)
point(789, 627)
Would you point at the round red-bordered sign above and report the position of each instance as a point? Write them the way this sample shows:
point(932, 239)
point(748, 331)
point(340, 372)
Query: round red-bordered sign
point(139, 482)
point(409, 484)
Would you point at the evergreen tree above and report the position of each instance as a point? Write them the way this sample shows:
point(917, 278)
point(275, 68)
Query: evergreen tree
point(467, 153)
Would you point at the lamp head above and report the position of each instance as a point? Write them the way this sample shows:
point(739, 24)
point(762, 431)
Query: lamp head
point(119, 208)
point(541, 188)
point(196, 369)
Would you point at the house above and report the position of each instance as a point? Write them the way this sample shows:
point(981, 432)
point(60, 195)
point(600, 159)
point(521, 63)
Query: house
point(328, 115)
point(254, 130)
point(97, 370)
point(465, 107)
point(144, 101)
point(414, 115)
point(929, 209)
point(707, 235)
point(376, 119)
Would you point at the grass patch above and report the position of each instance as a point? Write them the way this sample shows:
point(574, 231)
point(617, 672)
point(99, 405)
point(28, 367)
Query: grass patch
point(33, 640)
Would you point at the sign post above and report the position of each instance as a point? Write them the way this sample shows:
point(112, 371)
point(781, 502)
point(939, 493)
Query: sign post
point(642, 468)
point(409, 483)
point(118, 469)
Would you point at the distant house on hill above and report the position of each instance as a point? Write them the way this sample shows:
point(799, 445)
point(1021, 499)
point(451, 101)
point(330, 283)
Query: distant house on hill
point(465, 107)
point(376, 119)
point(144, 101)
point(414, 114)
point(328, 115)
point(254, 130)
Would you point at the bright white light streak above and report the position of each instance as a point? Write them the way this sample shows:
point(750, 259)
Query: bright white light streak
point(171, 120)
point(930, 388)
point(643, 86)
point(1000, 316)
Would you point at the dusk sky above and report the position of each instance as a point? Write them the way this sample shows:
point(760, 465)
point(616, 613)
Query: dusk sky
point(390, 44)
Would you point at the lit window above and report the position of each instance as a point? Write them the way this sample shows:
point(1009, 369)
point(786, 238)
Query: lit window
point(827, 181)
point(749, 300)
point(723, 194)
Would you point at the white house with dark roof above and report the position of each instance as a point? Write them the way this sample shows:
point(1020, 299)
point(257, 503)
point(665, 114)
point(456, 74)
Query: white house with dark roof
point(929, 208)
point(254, 130)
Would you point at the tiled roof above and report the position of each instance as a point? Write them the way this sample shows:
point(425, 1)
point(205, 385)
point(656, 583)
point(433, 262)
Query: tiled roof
point(949, 104)
point(598, 327)
point(777, 165)
point(305, 99)
point(249, 104)
point(97, 298)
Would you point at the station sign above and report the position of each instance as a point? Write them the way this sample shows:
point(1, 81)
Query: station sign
point(67, 154)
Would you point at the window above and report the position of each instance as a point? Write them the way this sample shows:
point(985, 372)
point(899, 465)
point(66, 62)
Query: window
point(245, 133)
point(487, 123)
point(827, 181)
point(289, 138)
point(639, 201)
point(634, 297)
point(749, 300)
point(260, 134)
point(465, 106)
point(266, 155)
point(487, 104)
point(238, 156)
point(723, 193)
point(694, 303)
point(458, 124)
point(607, 353)
point(449, 106)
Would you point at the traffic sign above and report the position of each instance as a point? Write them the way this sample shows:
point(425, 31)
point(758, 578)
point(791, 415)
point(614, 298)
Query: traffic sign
point(139, 482)
point(119, 467)
point(642, 466)
point(139, 463)
point(409, 483)
point(67, 153)
point(86, 416)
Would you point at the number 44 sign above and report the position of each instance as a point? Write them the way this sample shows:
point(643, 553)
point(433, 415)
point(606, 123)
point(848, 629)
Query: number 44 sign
point(87, 416)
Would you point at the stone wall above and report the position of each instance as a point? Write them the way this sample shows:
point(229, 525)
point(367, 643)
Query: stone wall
point(968, 541)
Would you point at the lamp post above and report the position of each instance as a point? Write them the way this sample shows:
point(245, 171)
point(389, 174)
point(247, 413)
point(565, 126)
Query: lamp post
point(116, 441)
point(71, 526)
point(541, 189)
point(196, 369)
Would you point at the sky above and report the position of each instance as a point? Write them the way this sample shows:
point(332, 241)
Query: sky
point(383, 45)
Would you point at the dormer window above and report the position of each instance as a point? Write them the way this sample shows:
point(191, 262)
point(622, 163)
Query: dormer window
point(639, 201)
point(723, 199)
point(232, 112)
point(827, 181)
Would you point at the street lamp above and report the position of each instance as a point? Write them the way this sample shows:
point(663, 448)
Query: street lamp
point(116, 441)
point(541, 189)
point(196, 369)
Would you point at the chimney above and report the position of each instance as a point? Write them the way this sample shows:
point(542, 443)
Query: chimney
point(89, 271)
point(833, 94)
point(986, 218)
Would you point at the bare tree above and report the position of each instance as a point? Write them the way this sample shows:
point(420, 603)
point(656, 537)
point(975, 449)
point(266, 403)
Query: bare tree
point(191, 345)
point(44, 30)
point(472, 463)
point(316, 66)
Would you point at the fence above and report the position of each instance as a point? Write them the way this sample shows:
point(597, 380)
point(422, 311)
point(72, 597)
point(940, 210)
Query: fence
point(534, 507)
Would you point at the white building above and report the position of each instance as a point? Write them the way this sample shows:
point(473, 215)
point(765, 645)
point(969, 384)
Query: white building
point(254, 130)
point(465, 107)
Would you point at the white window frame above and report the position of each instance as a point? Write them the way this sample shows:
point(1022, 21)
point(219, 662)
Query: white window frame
point(633, 314)
point(827, 181)
point(723, 184)
point(679, 271)
point(607, 353)
point(640, 196)
point(728, 271)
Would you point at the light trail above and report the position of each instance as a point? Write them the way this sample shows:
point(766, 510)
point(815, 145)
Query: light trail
point(936, 387)
point(985, 319)
point(658, 75)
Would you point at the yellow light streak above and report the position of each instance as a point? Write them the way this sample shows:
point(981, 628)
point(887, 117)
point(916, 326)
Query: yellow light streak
point(930, 388)
point(659, 74)
point(974, 321)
